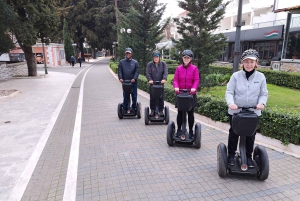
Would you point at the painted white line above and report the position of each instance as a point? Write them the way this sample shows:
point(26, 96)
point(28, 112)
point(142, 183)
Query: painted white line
point(71, 180)
point(21, 185)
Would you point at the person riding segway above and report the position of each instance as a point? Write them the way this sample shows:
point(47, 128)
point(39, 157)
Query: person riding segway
point(156, 73)
point(128, 72)
point(185, 83)
point(246, 95)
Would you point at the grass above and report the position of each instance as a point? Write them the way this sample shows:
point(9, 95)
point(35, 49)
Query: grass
point(281, 97)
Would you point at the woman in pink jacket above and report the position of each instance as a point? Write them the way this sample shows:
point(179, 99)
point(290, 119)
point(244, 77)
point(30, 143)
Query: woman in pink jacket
point(186, 77)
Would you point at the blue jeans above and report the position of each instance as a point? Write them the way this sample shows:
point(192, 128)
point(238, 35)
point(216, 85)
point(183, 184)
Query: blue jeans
point(133, 98)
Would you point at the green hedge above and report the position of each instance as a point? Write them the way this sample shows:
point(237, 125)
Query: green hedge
point(279, 78)
point(274, 123)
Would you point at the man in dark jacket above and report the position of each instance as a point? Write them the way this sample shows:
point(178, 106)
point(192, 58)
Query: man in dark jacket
point(128, 69)
point(156, 71)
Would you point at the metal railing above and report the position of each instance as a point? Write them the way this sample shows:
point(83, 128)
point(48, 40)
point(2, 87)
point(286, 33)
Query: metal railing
point(295, 22)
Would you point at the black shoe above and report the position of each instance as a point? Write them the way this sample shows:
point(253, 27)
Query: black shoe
point(179, 132)
point(231, 160)
point(191, 134)
point(160, 113)
point(250, 162)
point(151, 113)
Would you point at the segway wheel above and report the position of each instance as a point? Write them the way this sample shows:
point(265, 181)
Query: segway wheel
point(120, 108)
point(197, 136)
point(146, 115)
point(262, 161)
point(170, 133)
point(167, 115)
point(138, 110)
point(222, 159)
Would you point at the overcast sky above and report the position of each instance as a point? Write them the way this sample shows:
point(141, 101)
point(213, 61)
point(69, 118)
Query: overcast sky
point(172, 10)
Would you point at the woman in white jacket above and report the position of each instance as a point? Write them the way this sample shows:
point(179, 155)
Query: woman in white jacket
point(246, 88)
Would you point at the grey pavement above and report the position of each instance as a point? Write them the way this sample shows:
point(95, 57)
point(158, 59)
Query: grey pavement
point(117, 159)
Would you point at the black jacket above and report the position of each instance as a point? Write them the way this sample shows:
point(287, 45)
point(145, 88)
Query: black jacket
point(157, 73)
point(128, 69)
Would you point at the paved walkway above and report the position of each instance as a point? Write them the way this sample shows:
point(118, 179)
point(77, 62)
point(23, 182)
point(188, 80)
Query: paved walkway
point(66, 142)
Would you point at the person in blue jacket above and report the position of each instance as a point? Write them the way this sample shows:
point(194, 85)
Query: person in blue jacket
point(129, 69)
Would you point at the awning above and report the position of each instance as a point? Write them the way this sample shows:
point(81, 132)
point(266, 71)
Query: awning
point(293, 9)
point(259, 34)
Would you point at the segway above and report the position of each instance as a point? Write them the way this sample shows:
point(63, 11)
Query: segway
point(127, 89)
point(156, 91)
point(244, 124)
point(185, 102)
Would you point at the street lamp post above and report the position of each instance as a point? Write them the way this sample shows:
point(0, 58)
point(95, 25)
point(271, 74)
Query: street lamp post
point(237, 44)
point(128, 31)
point(74, 47)
point(45, 65)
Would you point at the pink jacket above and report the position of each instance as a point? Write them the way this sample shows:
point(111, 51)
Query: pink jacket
point(186, 78)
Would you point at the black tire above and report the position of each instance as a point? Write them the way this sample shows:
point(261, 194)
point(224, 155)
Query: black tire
point(138, 110)
point(167, 115)
point(197, 136)
point(262, 161)
point(146, 112)
point(170, 133)
point(222, 160)
point(120, 108)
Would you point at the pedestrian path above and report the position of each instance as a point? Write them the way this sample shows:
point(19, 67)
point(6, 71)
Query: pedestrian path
point(127, 160)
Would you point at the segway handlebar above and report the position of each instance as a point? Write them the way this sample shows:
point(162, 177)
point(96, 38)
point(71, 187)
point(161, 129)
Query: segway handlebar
point(185, 90)
point(247, 108)
point(127, 81)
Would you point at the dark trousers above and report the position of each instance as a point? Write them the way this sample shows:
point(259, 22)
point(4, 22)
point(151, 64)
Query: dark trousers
point(80, 64)
point(72, 63)
point(133, 97)
point(153, 102)
point(233, 141)
point(191, 119)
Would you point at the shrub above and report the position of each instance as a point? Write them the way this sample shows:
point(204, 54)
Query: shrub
point(217, 79)
point(280, 78)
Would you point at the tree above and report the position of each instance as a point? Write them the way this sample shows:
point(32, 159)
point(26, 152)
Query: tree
point(196, 30)
point(6, 17)
point(34, 19)
point(67, 42)
point(143, 19)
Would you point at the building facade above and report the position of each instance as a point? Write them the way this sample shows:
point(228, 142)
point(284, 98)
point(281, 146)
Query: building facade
point(262, 29)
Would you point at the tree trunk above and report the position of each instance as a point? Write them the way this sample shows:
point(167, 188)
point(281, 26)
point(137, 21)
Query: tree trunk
point(29, 56)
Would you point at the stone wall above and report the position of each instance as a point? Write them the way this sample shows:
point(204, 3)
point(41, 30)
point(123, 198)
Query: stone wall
point(7, 71)
point(290, 66)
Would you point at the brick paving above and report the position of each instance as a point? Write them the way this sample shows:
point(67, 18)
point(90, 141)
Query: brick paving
point(127, 160)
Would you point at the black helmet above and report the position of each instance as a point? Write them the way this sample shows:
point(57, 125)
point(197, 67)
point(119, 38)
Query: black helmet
point(155, 53)
point(128, 49)
point(188, 53)
point(250, 54)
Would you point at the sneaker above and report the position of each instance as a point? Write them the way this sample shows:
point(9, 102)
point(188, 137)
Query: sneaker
point(160, 113)
point(231, 160)
point(152, 113)
point(250, 162)
point(178, 134)
point(191, 134)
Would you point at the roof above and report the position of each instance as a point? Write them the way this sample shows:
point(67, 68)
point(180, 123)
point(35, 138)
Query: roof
point(293, 9)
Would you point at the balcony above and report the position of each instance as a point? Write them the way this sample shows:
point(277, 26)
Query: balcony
point(295, 22)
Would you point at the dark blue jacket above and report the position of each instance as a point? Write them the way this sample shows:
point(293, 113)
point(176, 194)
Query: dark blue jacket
point(128, 69)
